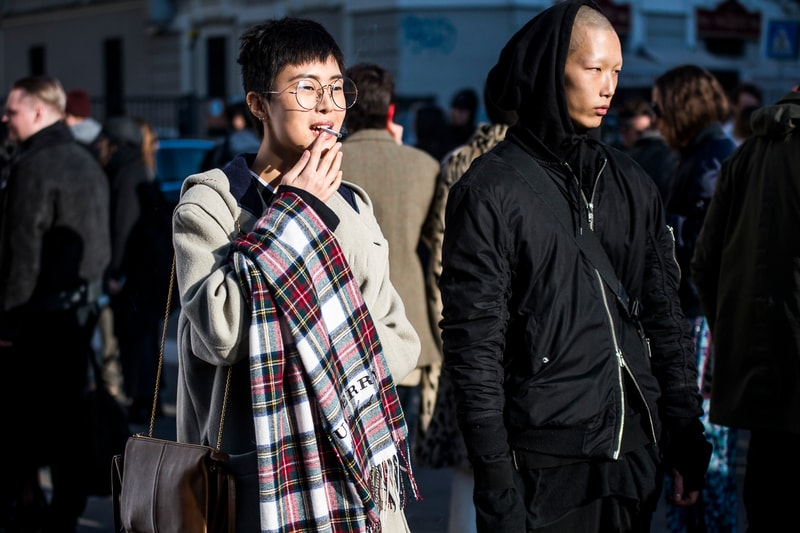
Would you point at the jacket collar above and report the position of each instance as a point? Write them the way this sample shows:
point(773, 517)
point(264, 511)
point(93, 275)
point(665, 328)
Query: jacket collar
point(58, 133)
point(247, 190)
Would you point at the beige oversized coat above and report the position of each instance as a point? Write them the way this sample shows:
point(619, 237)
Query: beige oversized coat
point(400, 179)
point(214, 316)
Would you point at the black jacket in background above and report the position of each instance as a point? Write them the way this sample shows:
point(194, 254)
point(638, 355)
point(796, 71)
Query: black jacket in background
point(55, 229)
point(690, 194)
point(657, 159)
point(746, 267)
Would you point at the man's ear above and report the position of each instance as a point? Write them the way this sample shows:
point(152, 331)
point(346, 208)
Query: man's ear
point(390, 115)
point(395, 129)
point(40, 113)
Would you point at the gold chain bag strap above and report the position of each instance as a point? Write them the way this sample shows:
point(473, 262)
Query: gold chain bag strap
point(163, 485)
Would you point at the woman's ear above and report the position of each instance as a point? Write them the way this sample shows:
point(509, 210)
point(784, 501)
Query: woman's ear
point(255, 102)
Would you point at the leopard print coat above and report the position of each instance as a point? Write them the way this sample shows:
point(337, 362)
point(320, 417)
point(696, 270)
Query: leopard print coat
point(438, 443)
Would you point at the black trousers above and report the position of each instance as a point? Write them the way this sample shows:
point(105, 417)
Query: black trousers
point(772, 456)
point(42, 390)
point(604, 514)
point(601, 496)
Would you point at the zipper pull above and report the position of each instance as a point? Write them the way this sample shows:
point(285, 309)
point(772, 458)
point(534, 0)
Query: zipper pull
point(590, 214)
point(620, 359)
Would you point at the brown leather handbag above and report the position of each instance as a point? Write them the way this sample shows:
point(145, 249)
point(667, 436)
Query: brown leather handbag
point(163, 485)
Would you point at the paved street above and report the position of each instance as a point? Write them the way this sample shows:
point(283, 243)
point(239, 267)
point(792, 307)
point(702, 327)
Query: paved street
point(426, 516)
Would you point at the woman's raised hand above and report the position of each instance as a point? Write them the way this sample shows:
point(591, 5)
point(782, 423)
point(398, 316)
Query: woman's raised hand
point(318, 169)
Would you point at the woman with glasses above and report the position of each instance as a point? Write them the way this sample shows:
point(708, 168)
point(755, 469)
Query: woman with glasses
point(313, 422)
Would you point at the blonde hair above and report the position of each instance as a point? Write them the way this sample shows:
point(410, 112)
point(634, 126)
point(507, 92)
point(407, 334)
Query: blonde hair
point(149, 145)
point(46, 88)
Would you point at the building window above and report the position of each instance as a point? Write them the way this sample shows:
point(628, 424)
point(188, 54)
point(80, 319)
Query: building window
point(216, 67)
point(36, 60)
point(726, 47)
point(113, 63)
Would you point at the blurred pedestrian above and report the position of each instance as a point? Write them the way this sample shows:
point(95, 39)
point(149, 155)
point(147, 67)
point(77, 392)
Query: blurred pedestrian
point(746, 267)
point(293, 76)
point(430, 130)
point(562, 330)
point(78, 116)
point(7, 150)
point(163, 214)
point(743, 127)
point(54, 249)
point(111, 367)
point(240, 136)
point(86, 130)
point(691, 106)
point(139, 261)
point(149, 146)
point(439, 443)
point(463, 117)
point(743, 96)
point(400, 180)
point(642, 140)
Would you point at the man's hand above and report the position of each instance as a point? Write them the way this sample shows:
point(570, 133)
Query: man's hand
point(318, 169)
point(678, 497)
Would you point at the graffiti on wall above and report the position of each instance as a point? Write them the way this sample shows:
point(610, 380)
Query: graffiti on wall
point(428, 34)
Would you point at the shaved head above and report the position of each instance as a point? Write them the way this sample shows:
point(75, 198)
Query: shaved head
point(587, 18)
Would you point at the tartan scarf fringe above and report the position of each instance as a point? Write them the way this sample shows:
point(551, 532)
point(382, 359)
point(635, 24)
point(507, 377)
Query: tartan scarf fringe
point(390, 485)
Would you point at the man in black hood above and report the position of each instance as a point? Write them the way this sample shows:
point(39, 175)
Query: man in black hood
point(562, 328)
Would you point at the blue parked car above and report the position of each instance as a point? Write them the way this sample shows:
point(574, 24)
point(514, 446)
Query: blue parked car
point(178, 158)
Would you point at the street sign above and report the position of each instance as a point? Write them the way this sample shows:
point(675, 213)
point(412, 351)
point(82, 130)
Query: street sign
point(782, 39)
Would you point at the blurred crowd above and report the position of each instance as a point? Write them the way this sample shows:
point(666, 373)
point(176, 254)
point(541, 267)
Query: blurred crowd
point(87, 243)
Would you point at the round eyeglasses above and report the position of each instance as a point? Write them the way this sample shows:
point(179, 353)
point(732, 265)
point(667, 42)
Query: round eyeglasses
point(308, 93)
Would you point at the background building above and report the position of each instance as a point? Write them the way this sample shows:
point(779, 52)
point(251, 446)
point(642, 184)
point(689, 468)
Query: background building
point(174, 61)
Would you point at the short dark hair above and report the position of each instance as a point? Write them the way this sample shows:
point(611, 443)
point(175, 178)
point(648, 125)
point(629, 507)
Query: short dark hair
point(633, 108)
point(235, 109)
point(466, 99)
point(239, 108)
point(266, 49)
point(375, 95)
point(746, 88)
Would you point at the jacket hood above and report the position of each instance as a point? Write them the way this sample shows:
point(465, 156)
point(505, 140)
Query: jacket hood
point(122, 130)
point(778, 120)
point(529, 76)
point(87, 130)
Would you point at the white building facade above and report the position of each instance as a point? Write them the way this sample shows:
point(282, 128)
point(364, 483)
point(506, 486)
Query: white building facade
point(129, 54)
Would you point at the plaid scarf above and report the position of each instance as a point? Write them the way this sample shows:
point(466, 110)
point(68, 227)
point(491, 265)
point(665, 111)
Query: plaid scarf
point(331, 436)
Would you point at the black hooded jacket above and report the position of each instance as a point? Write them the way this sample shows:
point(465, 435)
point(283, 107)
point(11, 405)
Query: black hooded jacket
point(539, 352)
point(746, 265)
